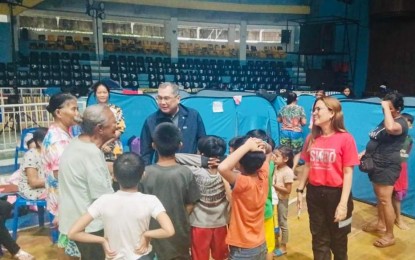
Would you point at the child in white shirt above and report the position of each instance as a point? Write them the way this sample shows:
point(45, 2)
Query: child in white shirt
point(126, 215)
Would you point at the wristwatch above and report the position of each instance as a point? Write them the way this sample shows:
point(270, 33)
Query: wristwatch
point(300, 191)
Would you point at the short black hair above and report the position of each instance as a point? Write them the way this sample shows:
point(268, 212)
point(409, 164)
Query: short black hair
point(128, 170)
point(167, 139)
point(38, 136)
point(409, 117)
point(251, 161)
point(95, 86)
point(287, 153)
point(211, 146)
point(261, 134)
point(396, 99)
point(291, 97)
point(232, 142)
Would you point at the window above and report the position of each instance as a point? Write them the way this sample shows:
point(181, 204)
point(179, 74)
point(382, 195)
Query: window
point(56, 24)
point(202, 33)
point(256, 35)
point(149, 30)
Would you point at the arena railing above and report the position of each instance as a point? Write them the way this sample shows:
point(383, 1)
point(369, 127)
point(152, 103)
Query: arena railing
point(16, 117)
point(4, 91)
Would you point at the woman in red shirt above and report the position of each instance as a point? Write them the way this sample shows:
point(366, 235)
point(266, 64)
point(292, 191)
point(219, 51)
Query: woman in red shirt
point(329, 153)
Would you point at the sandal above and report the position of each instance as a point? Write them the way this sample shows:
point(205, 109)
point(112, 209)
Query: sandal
point(278, 252)
point(383, 242)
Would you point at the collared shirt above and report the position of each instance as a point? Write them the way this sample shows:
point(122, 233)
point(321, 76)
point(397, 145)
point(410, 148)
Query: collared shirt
point(189, 122)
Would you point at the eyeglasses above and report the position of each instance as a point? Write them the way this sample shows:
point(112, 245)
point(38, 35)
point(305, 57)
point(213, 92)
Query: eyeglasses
point(166, 99)
point(317, 109)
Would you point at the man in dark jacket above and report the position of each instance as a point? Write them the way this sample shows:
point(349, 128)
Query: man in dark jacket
point(170, 110)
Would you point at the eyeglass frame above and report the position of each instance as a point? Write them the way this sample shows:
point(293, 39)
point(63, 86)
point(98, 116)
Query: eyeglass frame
point(166, 98)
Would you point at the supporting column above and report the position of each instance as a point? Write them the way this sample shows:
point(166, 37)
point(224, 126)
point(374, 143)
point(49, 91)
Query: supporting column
point(98, 39)
point(174, 42)
point(242, 42)
point(16, 32)
point(6, 42)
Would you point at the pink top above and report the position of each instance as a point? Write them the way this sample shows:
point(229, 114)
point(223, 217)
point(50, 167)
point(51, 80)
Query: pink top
point(54, 144)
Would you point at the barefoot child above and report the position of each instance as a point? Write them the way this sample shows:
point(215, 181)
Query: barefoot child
point(283, 179)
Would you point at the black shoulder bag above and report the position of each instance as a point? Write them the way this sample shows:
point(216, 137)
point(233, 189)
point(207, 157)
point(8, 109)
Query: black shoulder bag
point(366, 162)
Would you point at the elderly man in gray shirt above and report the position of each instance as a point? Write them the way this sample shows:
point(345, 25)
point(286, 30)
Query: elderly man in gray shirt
point(84, 175)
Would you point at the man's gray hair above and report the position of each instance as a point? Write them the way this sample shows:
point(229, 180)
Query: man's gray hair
point(175, 88)
point(93, 115)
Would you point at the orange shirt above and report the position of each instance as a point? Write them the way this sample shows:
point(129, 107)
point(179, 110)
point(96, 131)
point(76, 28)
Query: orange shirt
point(246, 227)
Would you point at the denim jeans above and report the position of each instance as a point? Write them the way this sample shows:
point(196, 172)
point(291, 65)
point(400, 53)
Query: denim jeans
point(256, 253)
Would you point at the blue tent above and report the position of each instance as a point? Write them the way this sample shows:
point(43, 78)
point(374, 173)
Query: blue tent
point(235, 120)
point(223, 117)
point(136, 108)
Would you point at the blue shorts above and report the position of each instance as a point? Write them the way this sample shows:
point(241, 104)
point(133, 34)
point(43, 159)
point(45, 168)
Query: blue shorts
point(292, 139)
point(257, 253)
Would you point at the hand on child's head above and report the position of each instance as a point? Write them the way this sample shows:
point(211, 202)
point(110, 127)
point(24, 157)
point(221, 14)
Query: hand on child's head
point(256, 144)
point(213, 162)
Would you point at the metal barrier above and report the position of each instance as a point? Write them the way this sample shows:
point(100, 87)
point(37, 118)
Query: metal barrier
point(15, 117)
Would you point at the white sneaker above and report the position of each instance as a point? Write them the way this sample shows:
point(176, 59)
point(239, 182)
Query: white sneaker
point(23, 255)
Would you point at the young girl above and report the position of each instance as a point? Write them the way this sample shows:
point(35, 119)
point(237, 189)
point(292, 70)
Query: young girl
point(283, 179)
point(32, 182)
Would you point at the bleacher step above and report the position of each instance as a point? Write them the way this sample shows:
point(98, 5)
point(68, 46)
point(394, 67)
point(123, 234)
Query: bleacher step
point(95, 75)
point(90, 62)
point(102, 69)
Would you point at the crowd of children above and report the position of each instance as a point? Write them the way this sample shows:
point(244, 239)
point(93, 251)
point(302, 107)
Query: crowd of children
point(206, 205)
point(198, 206)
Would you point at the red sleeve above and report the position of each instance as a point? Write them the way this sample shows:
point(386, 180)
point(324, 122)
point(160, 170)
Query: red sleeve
point(305, 155)
point(350, 155)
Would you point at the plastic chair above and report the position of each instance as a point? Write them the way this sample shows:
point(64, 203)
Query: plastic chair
point(41, 206)
point(20, 201)
point(22, 146)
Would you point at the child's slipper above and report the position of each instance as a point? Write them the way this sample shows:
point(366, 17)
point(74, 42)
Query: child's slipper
point(278, 252)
